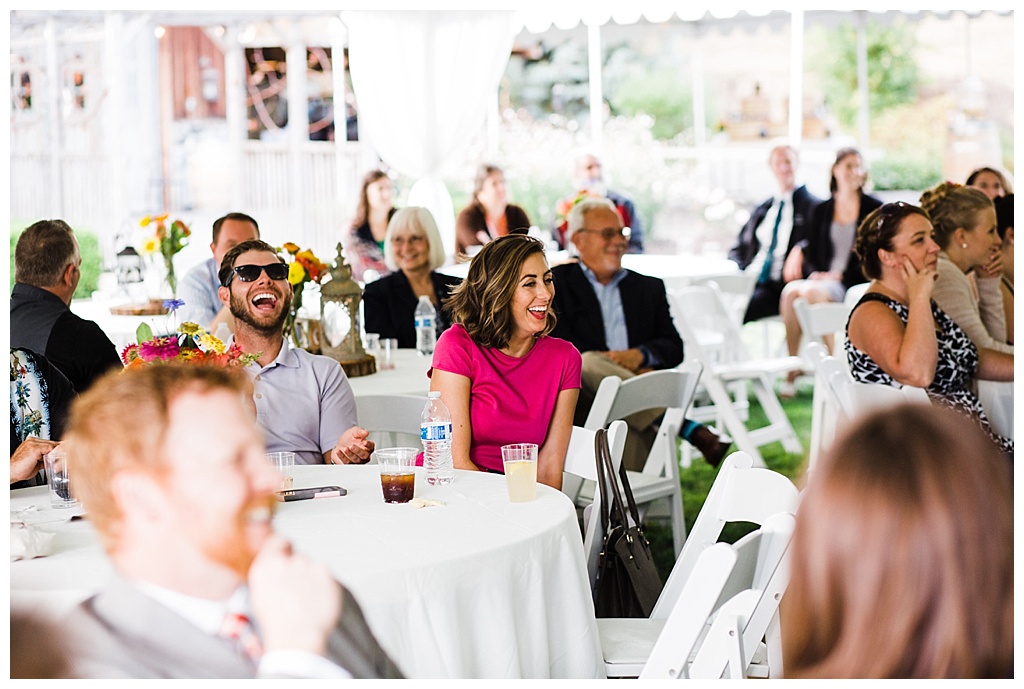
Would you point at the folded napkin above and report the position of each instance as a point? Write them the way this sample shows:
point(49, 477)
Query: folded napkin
point(420, 502)
point(28, 541)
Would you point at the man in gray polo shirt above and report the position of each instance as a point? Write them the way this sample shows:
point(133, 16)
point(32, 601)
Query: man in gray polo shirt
point(303, 401)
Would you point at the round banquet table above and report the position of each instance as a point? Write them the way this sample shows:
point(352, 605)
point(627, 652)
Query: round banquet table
point(476, 588)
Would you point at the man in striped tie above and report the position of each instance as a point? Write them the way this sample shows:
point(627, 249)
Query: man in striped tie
point(775, 227)
point(173, 476)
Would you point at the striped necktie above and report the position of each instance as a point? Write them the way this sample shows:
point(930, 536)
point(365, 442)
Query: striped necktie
point(238, 628)
point(766, 269)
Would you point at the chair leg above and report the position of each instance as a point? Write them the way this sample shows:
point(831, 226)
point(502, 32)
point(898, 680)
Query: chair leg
point(775, 413)
point(734, 426)
point(678, 521)
point(773, 645)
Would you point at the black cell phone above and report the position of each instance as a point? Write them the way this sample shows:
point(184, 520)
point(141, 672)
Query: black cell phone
point(310, 493)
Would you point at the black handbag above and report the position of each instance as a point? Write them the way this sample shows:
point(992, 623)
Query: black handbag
point(628, 584)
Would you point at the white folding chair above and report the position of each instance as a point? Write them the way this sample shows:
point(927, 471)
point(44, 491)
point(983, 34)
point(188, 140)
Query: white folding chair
point(743, 580)
point(741, 492)
point(855, 399)
point(824, 406)
point(674, 390)
point(392, 420)
point(580, 465)
point(821, 320)
point(698, 311)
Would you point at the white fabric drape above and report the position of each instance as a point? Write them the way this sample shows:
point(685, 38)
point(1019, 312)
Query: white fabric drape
point(423, 82)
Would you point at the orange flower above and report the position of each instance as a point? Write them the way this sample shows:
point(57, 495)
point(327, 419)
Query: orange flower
point(291, 248)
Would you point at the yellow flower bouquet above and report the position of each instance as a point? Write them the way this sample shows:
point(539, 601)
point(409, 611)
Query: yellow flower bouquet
point(303, 267)
point(168, 240)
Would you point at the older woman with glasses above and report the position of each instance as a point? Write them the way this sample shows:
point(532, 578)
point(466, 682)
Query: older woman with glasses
point(413, 252)
point(897, 335)
point(504, 378)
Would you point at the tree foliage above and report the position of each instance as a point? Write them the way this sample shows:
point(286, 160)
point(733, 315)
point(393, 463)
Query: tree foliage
point(892, 71)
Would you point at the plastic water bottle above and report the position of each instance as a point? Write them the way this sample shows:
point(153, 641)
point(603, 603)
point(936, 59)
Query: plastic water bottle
point(426, 331)
point(436, 435)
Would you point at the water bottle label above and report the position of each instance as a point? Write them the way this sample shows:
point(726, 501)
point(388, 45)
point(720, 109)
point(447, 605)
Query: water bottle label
point(424, 322)
point(436, 431)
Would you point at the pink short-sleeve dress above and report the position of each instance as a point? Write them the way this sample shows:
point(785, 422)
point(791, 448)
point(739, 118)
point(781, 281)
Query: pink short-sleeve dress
point(511, 400)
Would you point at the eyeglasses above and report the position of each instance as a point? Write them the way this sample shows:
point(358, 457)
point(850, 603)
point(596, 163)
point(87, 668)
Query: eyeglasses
point(250, 273)
point(610, 233)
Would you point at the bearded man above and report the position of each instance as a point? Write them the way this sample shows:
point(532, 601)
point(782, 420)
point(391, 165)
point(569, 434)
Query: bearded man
point(304, 402)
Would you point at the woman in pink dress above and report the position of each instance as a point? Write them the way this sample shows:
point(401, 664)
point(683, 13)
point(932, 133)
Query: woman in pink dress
point(504, 379)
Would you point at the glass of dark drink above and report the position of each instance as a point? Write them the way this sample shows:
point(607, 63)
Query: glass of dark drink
point(397, 473)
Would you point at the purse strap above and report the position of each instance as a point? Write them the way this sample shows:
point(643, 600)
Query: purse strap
point(606, 472)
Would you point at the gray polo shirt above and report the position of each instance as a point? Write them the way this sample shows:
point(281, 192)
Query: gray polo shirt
point(303, 403)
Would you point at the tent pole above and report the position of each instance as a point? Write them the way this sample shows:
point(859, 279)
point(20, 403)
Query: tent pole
point(596, 87)
point(796, 78)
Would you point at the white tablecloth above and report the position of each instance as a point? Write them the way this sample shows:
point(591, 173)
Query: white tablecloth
point(478, 588)
point(408, 377)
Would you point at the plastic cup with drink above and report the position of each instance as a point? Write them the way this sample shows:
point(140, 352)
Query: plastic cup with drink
point(397, 473)
point(520, 462)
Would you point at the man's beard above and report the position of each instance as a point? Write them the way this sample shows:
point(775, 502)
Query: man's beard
point(240, 310)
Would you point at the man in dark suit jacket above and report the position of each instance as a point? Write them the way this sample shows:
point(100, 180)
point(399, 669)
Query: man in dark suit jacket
point(46, 273)
point(774, 228)
point(620, 320)
point(173, 476)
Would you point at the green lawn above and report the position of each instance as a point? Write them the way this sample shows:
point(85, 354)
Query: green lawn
point(696, 481)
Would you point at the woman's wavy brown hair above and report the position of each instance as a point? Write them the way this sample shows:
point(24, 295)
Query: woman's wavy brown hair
point(482, 303)
point(902, 556)
point(951, 206)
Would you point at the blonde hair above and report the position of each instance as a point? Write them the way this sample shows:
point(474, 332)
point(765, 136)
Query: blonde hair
point(902, 556)
point(121, 421)
point(416, 218)
point(951, 206)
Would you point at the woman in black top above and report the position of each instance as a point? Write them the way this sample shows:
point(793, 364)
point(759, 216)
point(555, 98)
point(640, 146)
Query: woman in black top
point(412, 251)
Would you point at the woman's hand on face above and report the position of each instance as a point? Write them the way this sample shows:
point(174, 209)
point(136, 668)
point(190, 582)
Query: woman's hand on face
point(993, 269)
point(920, 283)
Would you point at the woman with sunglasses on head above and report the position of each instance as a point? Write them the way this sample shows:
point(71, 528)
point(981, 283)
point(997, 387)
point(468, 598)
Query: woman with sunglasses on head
point(413, 251)
point(504, 378)
point(822, 266)
point(897, 335)
point(970, 263)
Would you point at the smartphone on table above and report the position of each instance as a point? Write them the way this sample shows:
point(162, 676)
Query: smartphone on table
point(311, 493)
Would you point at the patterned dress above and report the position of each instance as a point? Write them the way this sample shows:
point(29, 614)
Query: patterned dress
point(954, 371)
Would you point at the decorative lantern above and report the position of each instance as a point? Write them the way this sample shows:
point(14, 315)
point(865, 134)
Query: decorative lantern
point(340, 325)
point(129, 269)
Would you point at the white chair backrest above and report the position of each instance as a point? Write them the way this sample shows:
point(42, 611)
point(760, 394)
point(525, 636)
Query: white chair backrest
point(741, 492)
point(580, 464)
point(748, 602)
point(754, 564)
point(820, 320)
point(392, 420)
point(734, 291)
point(853, 295)
point(710, 331)
point(616, 398)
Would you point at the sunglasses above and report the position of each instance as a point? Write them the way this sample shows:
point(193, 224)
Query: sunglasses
point(250, 273)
